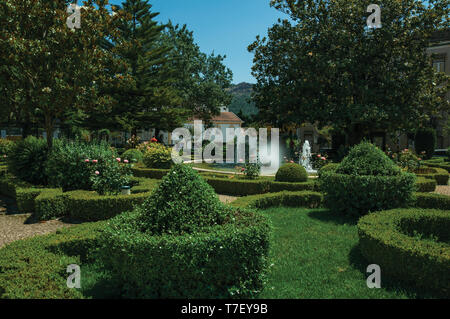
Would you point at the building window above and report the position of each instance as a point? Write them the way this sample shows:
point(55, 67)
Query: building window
point(439, 64)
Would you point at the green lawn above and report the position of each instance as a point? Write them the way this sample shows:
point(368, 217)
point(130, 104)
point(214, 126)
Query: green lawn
point(315, 255)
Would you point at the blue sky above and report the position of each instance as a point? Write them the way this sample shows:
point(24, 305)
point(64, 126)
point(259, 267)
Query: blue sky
point(223, 26)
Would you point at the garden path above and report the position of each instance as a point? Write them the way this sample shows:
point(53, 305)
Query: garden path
point(15, 226)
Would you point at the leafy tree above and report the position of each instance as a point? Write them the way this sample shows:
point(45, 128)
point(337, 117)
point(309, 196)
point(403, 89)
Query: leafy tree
point(49, 69)
point(149, 98)
point(202, 79)
point(325, 66)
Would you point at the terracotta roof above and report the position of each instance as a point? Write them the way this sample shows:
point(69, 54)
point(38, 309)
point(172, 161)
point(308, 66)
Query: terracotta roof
point(224, 117)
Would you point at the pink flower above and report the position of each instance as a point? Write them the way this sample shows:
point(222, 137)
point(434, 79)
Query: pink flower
point(319, 155)
point(126, 161)
point(324, 159)
point(291, 162)
point(97, 173)
point(95, 161)
point(4, 156)
point(86, 160)
point(241, 161)
point(420, 159)
point(118, 159)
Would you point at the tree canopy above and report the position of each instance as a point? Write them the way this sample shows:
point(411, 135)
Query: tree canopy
point(323, 65)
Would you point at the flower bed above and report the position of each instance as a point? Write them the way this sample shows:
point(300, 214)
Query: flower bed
point(411, 245)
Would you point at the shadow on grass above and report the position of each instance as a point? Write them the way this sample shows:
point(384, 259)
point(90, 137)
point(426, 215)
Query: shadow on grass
point(357, 261)
point(327, 216)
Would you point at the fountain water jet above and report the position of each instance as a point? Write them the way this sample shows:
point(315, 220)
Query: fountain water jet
point(305, 158)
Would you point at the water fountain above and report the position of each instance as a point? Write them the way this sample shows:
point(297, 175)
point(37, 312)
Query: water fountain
point(305, 158)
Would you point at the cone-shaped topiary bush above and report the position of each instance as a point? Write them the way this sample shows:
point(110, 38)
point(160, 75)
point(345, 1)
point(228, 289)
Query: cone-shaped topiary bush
point(366, 181)
point(292, 173)
point(367, 159)
point(184, 243)
point(183, 202)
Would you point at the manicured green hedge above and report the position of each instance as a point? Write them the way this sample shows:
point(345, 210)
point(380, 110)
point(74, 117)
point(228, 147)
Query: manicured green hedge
point(388, 239)
point(425, 185)
point(35, 268)
point(435, 201)
point(358, 195)
point(291, 199)
point(236, 186)
point(47, 203)
point(90, 207)
point(225, 261)
point(438, 164)
point(149, 172)
point(439, 174)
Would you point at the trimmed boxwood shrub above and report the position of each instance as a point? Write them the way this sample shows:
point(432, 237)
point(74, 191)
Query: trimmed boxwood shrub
point(439, 174)
point(133, 155)
point(401, 243)
point(366, 180)
point(35, 268)
point(331, 167)
point(27, 159)
point(425, 185)
point(368, 160)
point(290, 199)
point(183, 243)
point(222, 262)
point(436, 201)
point(292, 173)
point(425, 141)
point(149, 172)
point(47, 203)
point(158, 156)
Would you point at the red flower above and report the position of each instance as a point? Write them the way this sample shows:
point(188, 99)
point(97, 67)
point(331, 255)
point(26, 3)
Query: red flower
point(154, 140)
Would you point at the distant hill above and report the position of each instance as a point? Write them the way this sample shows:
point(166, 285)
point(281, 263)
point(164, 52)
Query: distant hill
point(241, 99)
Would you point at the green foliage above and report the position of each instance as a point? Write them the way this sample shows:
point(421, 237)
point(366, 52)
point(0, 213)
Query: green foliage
point(358, 195)
point(201, 79)
point(49, 76)
point(291, 172)
point(48, 203)
point(432, 200)
point(331, 167)
point(5, 147)
point(367, 159)
point(27, 160)
point(425, 185)
point(158, 156)
point(35, 268)
point(183, 202)
point(319, 51)
point(439, 174)
point(289, 199)
point(133, 155)
point(252, 170)
point(73, 165)
point(425, 141)
point(389, 239)
point(223, 261)
point(149, 172)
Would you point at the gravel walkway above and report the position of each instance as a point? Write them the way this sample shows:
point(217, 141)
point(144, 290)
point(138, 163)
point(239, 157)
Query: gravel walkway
point(227, 199)
point(444, 190)
point(14, 226)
